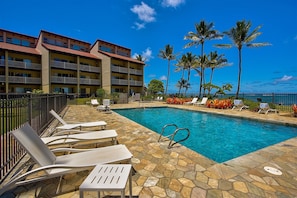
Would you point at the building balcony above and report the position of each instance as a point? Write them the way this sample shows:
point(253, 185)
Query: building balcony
point(135, 71)
point(136, 83)
point(20, 64)
point(21, 79)
point(63, 80)
point(89, 68)
point(119, 69)
point(119, 82)
point(73, 66)
point(64, 65)
point(88, 81)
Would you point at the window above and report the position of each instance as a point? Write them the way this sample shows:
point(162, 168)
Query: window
point(105, 48)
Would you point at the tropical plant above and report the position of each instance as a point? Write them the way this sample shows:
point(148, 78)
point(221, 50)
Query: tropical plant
point(241, 36)
point(100, 94)
point(203, 32)
point(140, 58)
point(187, 62)
point(167, 54)
point(155, 86)
point(216, 61)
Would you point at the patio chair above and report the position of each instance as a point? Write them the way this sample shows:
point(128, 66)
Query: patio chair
point(81, 138)
point(94, 102)
point(239, 104)
point(66, 126)
point(51, 166)
point(202, 102)
point(105, 106)
point(194, 100)
point(264, 108)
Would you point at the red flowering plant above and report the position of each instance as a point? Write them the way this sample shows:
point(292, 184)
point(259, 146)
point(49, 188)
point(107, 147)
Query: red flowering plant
point(294, 107)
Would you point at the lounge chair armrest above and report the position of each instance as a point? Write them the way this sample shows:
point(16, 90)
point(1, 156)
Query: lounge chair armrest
point(63, 138)
point(73, 150)
point(69, 131)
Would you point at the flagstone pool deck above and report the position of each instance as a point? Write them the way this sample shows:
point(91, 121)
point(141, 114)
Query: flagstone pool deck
point(181, 172)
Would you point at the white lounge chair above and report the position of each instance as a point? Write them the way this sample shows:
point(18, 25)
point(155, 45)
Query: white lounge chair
point(264, 108)
point(94, 102)
point(105, 106)
point(194, 100)
point(202, 102)
point(239, 104)
point(66, 126)
point(51, 165)
point(81, 138)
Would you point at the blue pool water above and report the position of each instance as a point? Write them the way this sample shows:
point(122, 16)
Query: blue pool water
point(219, 138)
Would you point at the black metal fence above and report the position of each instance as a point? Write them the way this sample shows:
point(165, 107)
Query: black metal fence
point(16, 109)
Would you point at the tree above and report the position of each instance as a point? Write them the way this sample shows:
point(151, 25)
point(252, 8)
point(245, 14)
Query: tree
point(155, 86)
point(167, 54)
point(216, 61)
point(241, 37)
point(203, 32)
point(140, 58)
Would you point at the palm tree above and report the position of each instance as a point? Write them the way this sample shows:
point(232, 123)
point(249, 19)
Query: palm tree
point(140, 58)
point(216, 61)
point(203, 32)
point(241, 37)
point(181, 66)
point(167, 54)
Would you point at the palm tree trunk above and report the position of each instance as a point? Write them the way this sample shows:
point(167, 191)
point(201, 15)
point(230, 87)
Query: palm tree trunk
point(210, 79)
point(239, 73)
point(168, 73)
point(201, 66)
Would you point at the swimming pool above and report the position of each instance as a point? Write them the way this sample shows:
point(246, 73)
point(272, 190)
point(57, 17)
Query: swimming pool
point(219, 138)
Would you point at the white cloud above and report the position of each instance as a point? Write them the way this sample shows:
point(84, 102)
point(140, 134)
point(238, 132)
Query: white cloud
point(172, 3)
point(163, 78)
point(286, 78)
point(146, 55)
point(145, 13)
point(139, 26)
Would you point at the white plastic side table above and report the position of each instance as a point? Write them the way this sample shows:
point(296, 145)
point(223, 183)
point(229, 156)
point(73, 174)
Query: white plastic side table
point(108, 177)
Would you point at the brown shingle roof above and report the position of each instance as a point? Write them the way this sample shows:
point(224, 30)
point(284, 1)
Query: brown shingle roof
point(121, 57)
point(69, 51)
point(19, 48)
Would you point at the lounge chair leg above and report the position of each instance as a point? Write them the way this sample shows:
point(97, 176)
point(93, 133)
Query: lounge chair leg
point(59, 185)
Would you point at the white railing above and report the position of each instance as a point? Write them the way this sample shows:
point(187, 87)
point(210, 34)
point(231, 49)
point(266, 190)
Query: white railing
point(24, 80)
point(63, 80)
point(21, 64)
point(88, 81)
point(119, 69)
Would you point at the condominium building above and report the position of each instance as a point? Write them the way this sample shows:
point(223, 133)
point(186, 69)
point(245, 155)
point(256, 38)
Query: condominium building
point(59, 64)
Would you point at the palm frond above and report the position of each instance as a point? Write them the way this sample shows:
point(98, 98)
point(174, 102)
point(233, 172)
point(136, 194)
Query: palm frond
point(258, 44)
point(223, 45)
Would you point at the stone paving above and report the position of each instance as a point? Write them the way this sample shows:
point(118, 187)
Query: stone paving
point(180, 172)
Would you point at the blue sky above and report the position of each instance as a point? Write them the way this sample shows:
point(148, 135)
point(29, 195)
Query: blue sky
point(147, 26)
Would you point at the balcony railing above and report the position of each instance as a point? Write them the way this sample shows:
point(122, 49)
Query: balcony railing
point(20, 64)
point(136, 83)
point(89, 68)
point(73, 66)
point(136, 71)
point(63, 80)
point(119, 82)
point(64, 65)
point(21, 79)
point(88, 81)
point(119, 69)
point(125, 82)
